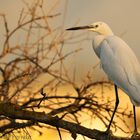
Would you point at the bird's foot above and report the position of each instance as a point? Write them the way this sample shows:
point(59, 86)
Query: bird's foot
point(108, 131)
point(135, 135)
point(108, 134)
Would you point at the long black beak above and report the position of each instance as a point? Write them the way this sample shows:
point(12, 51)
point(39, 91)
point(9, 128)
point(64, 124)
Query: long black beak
point(80, 27)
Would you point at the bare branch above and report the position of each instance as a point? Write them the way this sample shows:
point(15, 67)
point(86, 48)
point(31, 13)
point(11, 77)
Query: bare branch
point(16, 113)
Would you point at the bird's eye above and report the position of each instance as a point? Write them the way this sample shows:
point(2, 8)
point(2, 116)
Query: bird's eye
point(96, 26)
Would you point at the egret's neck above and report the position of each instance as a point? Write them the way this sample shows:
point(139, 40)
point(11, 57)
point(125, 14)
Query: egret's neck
point(96, 43)
point(103, 32)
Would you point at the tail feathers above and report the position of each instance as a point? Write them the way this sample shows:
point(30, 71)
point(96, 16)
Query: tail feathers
point(135, 103)
point(135, 97)
point(134, 94)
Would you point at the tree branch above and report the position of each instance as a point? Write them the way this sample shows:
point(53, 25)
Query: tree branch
point(14, 126)
point(14, 112)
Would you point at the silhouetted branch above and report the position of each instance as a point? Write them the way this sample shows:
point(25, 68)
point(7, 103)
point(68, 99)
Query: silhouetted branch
point(13, 112)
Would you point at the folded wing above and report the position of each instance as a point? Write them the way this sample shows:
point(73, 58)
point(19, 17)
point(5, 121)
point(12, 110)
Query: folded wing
point(121, 65)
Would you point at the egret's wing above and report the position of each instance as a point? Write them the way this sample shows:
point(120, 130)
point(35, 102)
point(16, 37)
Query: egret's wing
point(126, 58)
point(121, 65)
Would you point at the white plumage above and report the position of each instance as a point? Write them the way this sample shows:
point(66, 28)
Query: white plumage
point(117, 60)
point(121, 65)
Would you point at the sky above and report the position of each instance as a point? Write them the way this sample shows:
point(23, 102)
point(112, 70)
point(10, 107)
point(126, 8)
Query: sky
point(123, 16)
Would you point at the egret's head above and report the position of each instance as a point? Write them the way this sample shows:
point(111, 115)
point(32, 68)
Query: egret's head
point(98, 27)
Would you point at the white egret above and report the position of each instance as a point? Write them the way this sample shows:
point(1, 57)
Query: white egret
point(118, 62)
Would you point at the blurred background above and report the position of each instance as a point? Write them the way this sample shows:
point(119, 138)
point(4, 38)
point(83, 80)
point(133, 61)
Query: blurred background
point(122, 16)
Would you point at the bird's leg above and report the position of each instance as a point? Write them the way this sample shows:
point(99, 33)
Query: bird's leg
point(135, 123)
point(116, 105)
